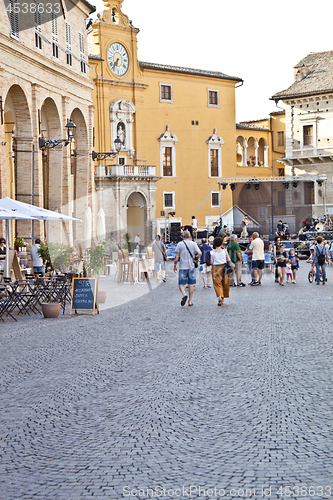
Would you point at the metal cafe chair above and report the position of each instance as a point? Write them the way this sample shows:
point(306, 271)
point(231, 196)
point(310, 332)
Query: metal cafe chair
point(5, 305)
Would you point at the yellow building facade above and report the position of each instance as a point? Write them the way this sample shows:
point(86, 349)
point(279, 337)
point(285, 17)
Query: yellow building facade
point(178, 138)
point(177, 127)
point(259, 146)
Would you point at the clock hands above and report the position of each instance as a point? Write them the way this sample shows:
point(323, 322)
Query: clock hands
point(115, 64)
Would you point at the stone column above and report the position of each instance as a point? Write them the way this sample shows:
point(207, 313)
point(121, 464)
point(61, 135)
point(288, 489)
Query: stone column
point(256, 146)
point(266, 156)
point(244, 155)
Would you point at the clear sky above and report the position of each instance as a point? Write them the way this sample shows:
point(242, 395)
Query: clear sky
point(258, 41)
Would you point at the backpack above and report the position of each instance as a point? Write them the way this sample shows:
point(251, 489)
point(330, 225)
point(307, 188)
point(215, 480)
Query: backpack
point(321, 258)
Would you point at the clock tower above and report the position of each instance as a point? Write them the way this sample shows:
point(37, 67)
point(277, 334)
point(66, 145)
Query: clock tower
point(125, 184)
point(117, 76)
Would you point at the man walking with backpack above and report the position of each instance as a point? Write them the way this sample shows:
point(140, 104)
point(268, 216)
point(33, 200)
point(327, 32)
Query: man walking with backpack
point(320, 259)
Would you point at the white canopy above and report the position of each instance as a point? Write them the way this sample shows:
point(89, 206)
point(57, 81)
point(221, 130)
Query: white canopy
point(11, 215)
point(17, 210)
point(32, 210)
point(101, 231)
point(87, 228)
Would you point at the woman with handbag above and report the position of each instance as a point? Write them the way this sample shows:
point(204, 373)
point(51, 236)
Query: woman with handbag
point(219, 260)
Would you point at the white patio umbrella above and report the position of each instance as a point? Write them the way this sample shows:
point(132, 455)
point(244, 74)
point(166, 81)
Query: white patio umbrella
point(30, 212)
point(8, 215)
point(87, 228)
point(101, 231)
point(33, 211)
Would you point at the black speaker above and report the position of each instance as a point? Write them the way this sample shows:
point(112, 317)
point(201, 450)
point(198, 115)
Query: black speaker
point(202, 234)
point(175, 232)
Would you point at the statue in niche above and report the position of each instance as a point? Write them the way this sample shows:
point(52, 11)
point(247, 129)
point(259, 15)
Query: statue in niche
point(121, 132)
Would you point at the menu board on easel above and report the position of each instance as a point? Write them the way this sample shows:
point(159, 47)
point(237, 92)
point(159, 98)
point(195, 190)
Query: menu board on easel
point(84, 295)
point(13, 264)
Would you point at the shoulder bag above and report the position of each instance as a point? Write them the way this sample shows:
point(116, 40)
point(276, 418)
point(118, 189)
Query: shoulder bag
point(195, 258)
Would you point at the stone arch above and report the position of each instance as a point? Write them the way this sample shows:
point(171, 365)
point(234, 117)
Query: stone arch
point(240, 151)
point(51, 170)
point(136, 204)
point(80, 182)
point(251, 152)
point(16, 177)
point(261, 152)
point(80, 159)
point(20, 110)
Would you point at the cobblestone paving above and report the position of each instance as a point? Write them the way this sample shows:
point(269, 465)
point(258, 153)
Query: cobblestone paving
point(153, 395)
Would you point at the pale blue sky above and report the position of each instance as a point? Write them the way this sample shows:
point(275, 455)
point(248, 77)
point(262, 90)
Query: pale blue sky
point(259, 42)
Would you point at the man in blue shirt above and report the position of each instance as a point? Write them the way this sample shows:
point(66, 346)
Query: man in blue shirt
point(206, 270)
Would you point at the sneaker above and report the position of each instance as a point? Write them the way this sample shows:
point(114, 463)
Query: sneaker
point(164, 280)
point(204, 286)
point(233, 284)
point(255, 283)
point(241, 284)
point(209, 286)
point(259, 282)
point(251, 283)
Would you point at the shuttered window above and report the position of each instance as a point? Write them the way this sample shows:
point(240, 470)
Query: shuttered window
point(13, 9)
point(68, 44)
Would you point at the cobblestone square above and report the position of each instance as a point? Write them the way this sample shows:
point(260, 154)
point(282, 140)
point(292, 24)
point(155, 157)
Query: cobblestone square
point(151, 399)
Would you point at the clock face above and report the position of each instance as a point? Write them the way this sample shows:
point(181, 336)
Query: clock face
point(118, 59)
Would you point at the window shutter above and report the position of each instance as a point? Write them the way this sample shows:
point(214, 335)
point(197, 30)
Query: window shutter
point(38, 18)
point(68, 36)
point(55, 28)
point(14, 19)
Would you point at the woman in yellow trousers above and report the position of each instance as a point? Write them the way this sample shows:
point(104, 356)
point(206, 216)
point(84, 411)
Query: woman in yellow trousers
point(219, 257)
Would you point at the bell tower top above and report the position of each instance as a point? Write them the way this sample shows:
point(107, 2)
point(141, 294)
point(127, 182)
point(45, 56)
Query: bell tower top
point(115, 15)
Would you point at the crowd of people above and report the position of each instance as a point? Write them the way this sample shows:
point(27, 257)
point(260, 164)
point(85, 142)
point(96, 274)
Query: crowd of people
point(221, 263)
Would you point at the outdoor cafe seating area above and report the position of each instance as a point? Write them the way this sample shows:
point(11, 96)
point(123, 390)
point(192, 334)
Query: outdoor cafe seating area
point(133, 267)
point(25, 297)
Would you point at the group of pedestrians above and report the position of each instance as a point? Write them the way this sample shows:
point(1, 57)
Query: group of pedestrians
point(221, 266)
point(215, 261)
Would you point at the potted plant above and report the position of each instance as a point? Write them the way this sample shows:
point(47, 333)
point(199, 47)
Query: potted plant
point(51, 309)
point(43, 252)
point(61, 256)
point(94, 263)
point(94, 259)
point(20, 245)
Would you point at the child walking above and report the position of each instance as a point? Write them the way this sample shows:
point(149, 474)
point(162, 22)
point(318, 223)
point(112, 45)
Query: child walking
point(294, 261)
point(289, 274)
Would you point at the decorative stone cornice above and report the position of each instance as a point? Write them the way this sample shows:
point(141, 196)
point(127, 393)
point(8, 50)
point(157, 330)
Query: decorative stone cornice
point(106, 81)
point(167, 136)
point(214, 139)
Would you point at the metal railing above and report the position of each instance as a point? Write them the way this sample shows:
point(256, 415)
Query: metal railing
point(126, 171)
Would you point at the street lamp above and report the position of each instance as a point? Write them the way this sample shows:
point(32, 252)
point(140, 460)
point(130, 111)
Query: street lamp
point(112, 154)
point(50, 143)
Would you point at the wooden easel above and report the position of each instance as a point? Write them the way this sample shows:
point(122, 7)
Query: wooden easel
point(14, 264)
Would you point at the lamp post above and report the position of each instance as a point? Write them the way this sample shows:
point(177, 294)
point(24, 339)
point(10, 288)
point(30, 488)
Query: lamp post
point(52, 143)
point(112, 154)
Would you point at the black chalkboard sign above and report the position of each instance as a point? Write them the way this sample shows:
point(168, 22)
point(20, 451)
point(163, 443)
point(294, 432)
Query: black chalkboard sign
point(84, 295)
